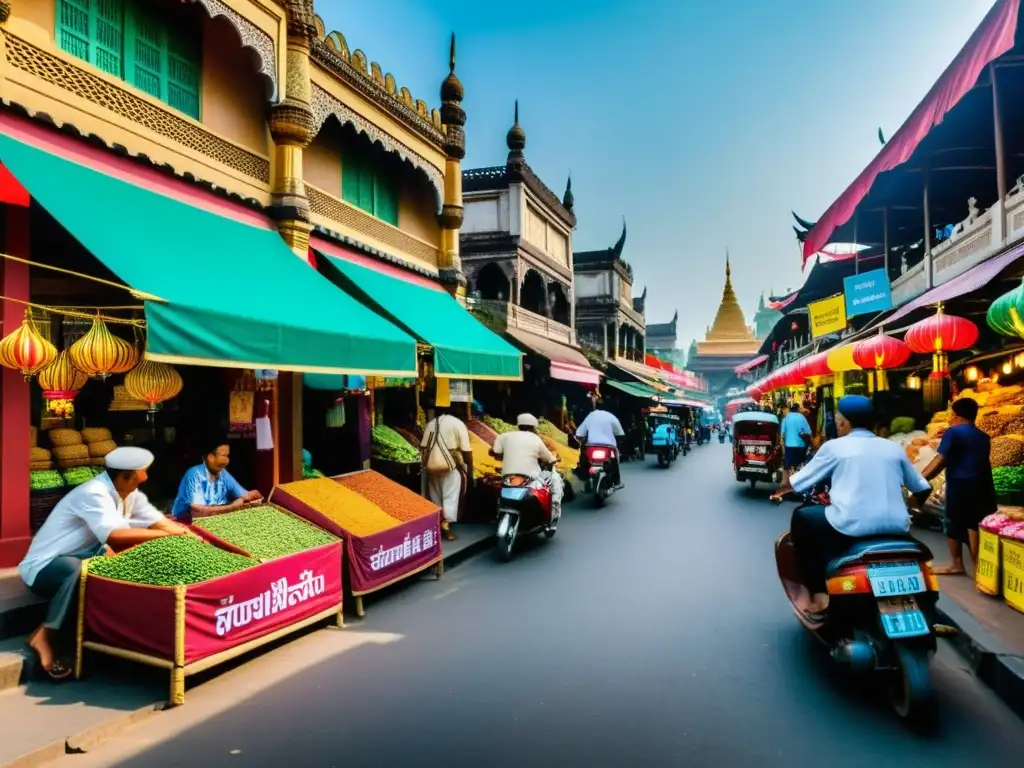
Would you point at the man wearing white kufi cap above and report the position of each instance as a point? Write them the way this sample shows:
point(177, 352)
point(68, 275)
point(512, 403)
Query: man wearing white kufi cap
point(523, 452)
point(101, 516)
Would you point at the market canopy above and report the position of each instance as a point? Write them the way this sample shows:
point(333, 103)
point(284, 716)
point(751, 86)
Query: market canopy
point(641, 391)
point(567, 364)
point(216, 291)
point(464, 348)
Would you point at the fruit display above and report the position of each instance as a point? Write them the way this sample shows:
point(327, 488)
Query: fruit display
point(484, 464)
point(170, 561)
point(481, 430)
point(352, 512)
point(265, 532)
point(498, 425)
point(78, 475)
point(45, 480)
point(901, 425)
point(1008, 480)
point(548, 429)
point(395, 500)
point(391, 446)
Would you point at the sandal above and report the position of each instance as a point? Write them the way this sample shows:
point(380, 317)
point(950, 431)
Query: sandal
point(448, 535)
point(57, 672)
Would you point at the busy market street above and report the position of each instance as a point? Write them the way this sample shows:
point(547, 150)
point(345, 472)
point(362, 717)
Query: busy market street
point(651, 632)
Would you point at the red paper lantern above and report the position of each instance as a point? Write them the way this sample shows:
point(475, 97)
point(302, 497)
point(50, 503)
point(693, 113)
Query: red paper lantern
point(939, 334)
point(754, 391)
point(879, 352)
point(815, 365)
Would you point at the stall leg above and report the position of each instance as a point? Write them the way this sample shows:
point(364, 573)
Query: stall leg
point(339, 620)
point(359, 607)
point(439, 569)
point(177, 697)
point(80, 628)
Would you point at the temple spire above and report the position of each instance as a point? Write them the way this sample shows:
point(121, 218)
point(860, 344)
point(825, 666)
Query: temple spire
point(729, 324)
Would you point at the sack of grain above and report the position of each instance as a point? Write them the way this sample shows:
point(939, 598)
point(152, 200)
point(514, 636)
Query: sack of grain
point(33, 437)
point(102, 448)
point(38, 454)
point(64, 437)
point(1007, 451)
point(71, 463)
point(98, 462)
point(65, 452)
point(96, 434)
point(40, 465)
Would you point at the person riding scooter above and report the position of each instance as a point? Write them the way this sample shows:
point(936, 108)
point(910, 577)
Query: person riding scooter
point(867, 476)
point(601, 428)
point(524, 453)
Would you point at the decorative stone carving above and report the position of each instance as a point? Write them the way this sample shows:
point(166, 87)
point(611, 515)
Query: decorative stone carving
point(324, 105)
point(252, 37)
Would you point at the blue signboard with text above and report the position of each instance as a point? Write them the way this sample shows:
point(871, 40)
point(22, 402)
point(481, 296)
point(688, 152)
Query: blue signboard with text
point(867, 292)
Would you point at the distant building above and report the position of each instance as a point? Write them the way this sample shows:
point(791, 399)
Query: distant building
point(728, 343)
point(608, 318)
point(764, 319)
point(661, 342)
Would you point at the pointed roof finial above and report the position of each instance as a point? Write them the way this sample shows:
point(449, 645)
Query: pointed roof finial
point(728, 270)
point(516, 137)
point(621, 242)
point(451, 88)
point(451, 55)
point(568, 200)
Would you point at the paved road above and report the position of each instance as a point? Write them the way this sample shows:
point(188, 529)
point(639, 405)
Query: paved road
point(652, 632)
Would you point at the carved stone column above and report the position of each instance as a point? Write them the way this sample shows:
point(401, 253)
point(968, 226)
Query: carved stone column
point(292, 129)
point(453, 118)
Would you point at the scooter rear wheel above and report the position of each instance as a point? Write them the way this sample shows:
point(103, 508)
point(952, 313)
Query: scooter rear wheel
point(911, 691)
point(599, 497)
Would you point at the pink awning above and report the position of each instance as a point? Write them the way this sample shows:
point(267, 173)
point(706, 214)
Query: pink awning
point(567, 363)
point(577, 373)
point(993, 37)
point(750, 365)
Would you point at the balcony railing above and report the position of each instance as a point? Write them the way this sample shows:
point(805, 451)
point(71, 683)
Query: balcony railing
point(503, 315)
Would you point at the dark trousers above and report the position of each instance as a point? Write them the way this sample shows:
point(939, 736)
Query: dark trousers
point(58, 582)
point(817, 543)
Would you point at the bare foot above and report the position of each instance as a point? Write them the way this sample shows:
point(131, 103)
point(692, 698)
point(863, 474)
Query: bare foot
point(40, 643)
point(950, 570)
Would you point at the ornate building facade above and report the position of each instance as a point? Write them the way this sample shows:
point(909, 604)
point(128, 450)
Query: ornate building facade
point(516, 244)
point(608, 317)
point(662, 342)
point(728, 343)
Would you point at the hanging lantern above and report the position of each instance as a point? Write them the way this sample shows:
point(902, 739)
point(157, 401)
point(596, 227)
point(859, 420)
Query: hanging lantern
point(913, 382)
point(791, 376)
point(60, 380)
point(25, 349)
point(880, 352)
point(754, 392)
point(972, 374)
point(1004, 315)
point(153, 383)
point(100, 353)
point(1007, 368)
point(840, 359)
point(938, 335)
point(815, 365)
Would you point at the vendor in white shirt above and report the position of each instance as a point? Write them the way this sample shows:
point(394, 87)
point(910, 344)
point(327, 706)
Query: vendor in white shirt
point(101, 516)
point(522, 453)
point(602, 428)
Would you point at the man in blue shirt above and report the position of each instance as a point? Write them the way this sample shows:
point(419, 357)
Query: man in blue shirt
point(209, 489)
point(796, 433)
point(867, 474)
point(970, 490)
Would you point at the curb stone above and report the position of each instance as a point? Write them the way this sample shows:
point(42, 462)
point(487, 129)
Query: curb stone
point(987, 656)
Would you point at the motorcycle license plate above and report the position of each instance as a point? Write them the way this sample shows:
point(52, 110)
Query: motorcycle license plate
point(514, 494)
point(895, 579)
point(902, 618)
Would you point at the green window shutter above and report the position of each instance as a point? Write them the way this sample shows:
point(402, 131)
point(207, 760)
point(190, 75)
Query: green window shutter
point(385, 188)
point(108, 36)
point(73, 27)
point(365, 194)
point(350, 173)
point(146, 52)
point(184, 71)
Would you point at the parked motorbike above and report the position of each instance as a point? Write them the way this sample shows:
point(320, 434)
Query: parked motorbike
point(598, 481)
point(881, 616)
point(522, 511)
point(721, 436)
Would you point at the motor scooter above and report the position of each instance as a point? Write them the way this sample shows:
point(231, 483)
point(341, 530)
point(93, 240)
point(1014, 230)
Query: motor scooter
point(881, 616)
point(597, 479)
point(721, 436)
point(522, 511)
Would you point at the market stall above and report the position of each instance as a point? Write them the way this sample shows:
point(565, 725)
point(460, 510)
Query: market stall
point(185, 606)
point(390, 532)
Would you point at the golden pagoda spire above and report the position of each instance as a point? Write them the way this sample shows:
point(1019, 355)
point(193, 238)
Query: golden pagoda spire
point(729, 325)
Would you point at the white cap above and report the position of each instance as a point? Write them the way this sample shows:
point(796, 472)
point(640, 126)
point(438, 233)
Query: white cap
point(129, 459)
point(526, 420)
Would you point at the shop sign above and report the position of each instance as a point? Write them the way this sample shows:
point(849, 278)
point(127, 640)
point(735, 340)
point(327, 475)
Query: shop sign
point(378, 560)
point(460, 390)
point(1013, 573)
point(266, 374)
point(827, 316)
point(868, 292)
point(986, 577)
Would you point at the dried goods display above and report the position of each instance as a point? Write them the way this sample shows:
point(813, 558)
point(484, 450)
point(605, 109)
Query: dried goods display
point(548, 429)
point(170, 561)
point(353, 512)
point(1007, 451)
point(1008, 480)
point(484, 464)
point(481, 430)
point(498, 425)
point(78, 475)
point(395, 500)
point(391, 446)
point(45, 480)
point(265, 532)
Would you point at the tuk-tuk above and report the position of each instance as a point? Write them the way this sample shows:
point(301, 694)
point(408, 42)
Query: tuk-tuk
point(663, 431)
point(756, 448)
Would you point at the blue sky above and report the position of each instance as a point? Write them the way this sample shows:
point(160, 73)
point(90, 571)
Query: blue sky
point(703, 123)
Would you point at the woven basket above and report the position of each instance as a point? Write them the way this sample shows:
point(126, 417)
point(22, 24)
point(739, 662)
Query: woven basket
point(33, 436)
point(100, 449)
point(65, 452)
point(85, 461)
point(64, 437)
point(41, 504)
point(96, 434)
point(98, 462)
point(38, 454)
point(40, 465)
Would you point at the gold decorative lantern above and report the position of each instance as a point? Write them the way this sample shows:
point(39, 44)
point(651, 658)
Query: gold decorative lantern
point(60, 380)
point(153, 383)
point(25, 349)
point(100, 353)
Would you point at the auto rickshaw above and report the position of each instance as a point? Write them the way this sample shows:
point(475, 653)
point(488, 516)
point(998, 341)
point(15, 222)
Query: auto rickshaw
point(663, 431)
point(756, 448)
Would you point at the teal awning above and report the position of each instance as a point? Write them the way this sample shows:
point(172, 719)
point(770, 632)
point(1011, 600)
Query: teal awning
point(464, 348)
point(635, 390)
point(217, 291)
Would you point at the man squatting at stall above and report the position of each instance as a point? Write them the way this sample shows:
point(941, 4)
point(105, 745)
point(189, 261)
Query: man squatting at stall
point(523, 452)
point(209, 489)
point(101, 516)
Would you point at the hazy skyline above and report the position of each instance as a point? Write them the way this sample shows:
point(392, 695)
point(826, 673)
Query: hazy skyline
point(703, 124)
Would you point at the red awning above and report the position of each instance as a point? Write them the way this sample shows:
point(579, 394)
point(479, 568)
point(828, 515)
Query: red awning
point(11, 191)
point(567, 364)
point(993, 37)
point(750, 365)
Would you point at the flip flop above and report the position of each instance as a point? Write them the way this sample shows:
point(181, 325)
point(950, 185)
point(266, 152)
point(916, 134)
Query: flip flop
point(57, 672)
